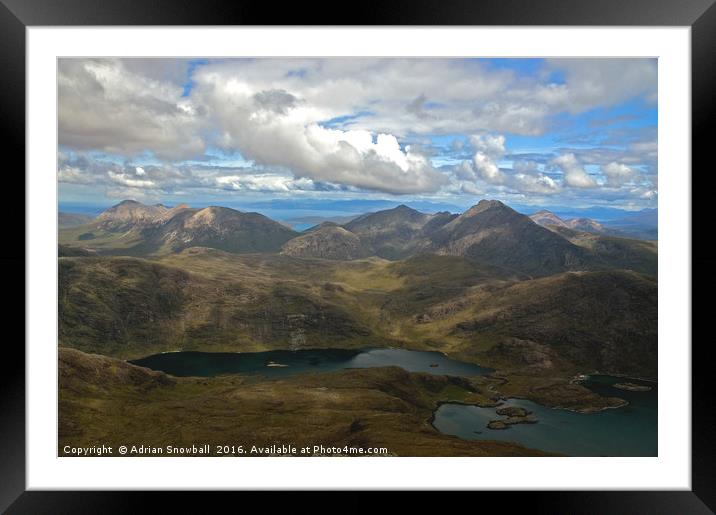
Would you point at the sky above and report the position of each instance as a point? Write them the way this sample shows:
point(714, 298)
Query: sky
point(535, 132)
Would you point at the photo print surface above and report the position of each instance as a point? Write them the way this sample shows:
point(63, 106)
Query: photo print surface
point(357, 257)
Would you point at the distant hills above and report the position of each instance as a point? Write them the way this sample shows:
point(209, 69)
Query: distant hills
point(641, 225)
point(548, 219)
point(133, 228)
point(489, 232)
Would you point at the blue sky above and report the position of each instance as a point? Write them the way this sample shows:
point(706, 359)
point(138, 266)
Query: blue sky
point(534, 132)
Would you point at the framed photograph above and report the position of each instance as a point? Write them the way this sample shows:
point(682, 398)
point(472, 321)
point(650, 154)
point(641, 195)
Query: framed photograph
point(439, 248)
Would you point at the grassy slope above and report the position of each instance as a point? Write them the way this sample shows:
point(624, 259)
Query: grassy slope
point(129, 307)
point(211, 300)
point(107, 400)
point(584, 321)
point(92, 236)
point(615, 252)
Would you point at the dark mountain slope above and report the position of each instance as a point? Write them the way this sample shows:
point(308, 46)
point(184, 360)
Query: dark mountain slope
point(327, 241)
point(495, 234)
point(130, 308)
point(393, 233)
point(603, 321)
point(615, 252)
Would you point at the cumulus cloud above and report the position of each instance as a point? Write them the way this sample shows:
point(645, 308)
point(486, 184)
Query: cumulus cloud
point(366, 124)
point(292, 140)
point(275, 100)
point(266, 182)
point(120, 179)
point(599, 82)
point(574, 173)
point(535, 183)
point(73, 175)
point(103, 105)
point(617, 173)
point(524, 177)
point(126, 180)
point(488, 149)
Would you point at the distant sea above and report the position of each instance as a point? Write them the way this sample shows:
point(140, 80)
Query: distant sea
point(85, 209)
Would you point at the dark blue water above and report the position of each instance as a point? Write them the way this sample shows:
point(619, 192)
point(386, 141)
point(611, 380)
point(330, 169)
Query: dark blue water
point(301, 361)
point(626, 431)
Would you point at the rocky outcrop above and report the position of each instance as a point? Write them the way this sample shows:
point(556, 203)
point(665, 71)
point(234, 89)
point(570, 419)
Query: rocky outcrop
point(513, 415)
point(631, 387)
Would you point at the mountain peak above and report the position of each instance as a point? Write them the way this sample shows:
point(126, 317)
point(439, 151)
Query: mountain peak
point(496, 234)
point(404, 208)
point(485, 205)
point(547, 218)
point(130, 212)
point(128, 202)
point(586, 225)
point(322, 225)
point(210, 215)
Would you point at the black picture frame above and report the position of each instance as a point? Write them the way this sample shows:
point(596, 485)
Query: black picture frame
point(16, 15)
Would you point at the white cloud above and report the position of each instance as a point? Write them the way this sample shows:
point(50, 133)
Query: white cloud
point(131, 105)
point(313, 123)
point(599, 82)
point(291, 140)
point(73, 175)
point(617, 173)
point(471, 189)
point(574, 173)
point(268, 182)
point(529, 183)
point(490, 145)
point(488, 149)
point(524, 177)
point(127, 180)
point(103, 105)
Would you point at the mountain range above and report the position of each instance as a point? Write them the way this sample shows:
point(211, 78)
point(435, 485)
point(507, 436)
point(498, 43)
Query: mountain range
point(133, 228)
point(489, 232)
point(489, 286)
